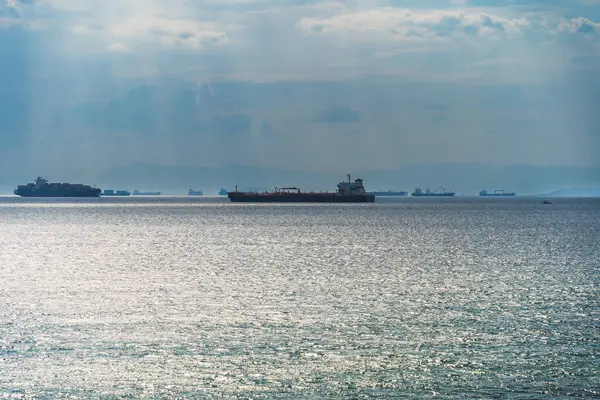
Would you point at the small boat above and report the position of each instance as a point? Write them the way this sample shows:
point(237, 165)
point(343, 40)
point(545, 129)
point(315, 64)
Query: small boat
point(546, 202)
point(193, 192)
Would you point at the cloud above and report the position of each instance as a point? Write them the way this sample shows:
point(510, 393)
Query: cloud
point(13, 14)
point(338, 115)
point(187, 33)
point(579, 25)
point(147, 111)
point(258, 40)
point(9, 10)
point(87, 29)
point(406, 24)
point(133, 23)
point(136, 111)
point(118, 47)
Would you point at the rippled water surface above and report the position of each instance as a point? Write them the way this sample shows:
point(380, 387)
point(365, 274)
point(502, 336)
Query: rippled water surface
point(416, 298)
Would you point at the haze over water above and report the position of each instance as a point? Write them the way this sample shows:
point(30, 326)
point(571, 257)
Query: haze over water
point(171, 298)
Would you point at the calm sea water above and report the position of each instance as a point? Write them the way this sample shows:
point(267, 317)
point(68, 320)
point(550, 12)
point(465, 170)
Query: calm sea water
point(199, 298)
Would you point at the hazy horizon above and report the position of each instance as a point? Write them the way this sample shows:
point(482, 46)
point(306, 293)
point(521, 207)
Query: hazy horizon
point(463, 178)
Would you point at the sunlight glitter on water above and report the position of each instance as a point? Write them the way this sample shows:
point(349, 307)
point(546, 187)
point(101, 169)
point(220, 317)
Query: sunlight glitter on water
point(177, 299)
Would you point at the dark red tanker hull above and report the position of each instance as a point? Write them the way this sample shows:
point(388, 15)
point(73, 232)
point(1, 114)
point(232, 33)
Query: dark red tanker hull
point(241, 197)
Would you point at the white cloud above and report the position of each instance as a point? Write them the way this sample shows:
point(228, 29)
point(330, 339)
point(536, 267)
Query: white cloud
point(263, 39)
point(415, 24)
point(188, 33)
point(67, 5)
point(579, 25)
point(86, 29)
point(119, 47)
point(140, 22)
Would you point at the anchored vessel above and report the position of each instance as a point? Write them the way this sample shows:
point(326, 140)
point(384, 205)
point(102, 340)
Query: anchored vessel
point(347, 192)
point(223, 192)
point(440, 192)
point(389, 193)
point(110, 192)
point(499, 192)
point(193, 192)
point(138, 193)
point(41, 188)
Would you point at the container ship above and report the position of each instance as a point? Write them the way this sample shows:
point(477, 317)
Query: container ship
point(110, 192)
point(347, 192)
point(389, 193)
point(41, 188)
point(440, 192)
point(497, 193)
point(193, 192)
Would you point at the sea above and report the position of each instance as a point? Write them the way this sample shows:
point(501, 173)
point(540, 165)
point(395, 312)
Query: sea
point(177, 297)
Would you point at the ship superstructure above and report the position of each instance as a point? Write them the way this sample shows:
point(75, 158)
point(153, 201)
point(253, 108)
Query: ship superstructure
point(42, 188)
point(347, 192)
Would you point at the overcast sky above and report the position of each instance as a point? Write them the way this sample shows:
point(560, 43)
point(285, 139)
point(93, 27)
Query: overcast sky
point(312, 85)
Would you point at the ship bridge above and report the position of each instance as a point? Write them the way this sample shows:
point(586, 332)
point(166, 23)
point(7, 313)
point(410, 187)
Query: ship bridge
point(351, 188)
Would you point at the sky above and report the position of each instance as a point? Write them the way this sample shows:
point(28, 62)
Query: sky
point(309, 85)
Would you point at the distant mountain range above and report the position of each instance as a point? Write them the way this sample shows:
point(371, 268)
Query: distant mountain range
point(577, 192)
point(467, 179)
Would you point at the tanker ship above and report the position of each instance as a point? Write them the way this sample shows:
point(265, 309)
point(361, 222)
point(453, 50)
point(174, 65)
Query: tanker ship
point(347, 192)
point(41, 188)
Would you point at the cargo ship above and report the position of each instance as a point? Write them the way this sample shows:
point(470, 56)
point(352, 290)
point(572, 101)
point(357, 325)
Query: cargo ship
point(138, 193)
point(110, 192)
point(347, 192)
point(223, 192)
point(41, 188)
point(193, 192)
point(389, 193)
point(497, 193)
point(440, 192)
